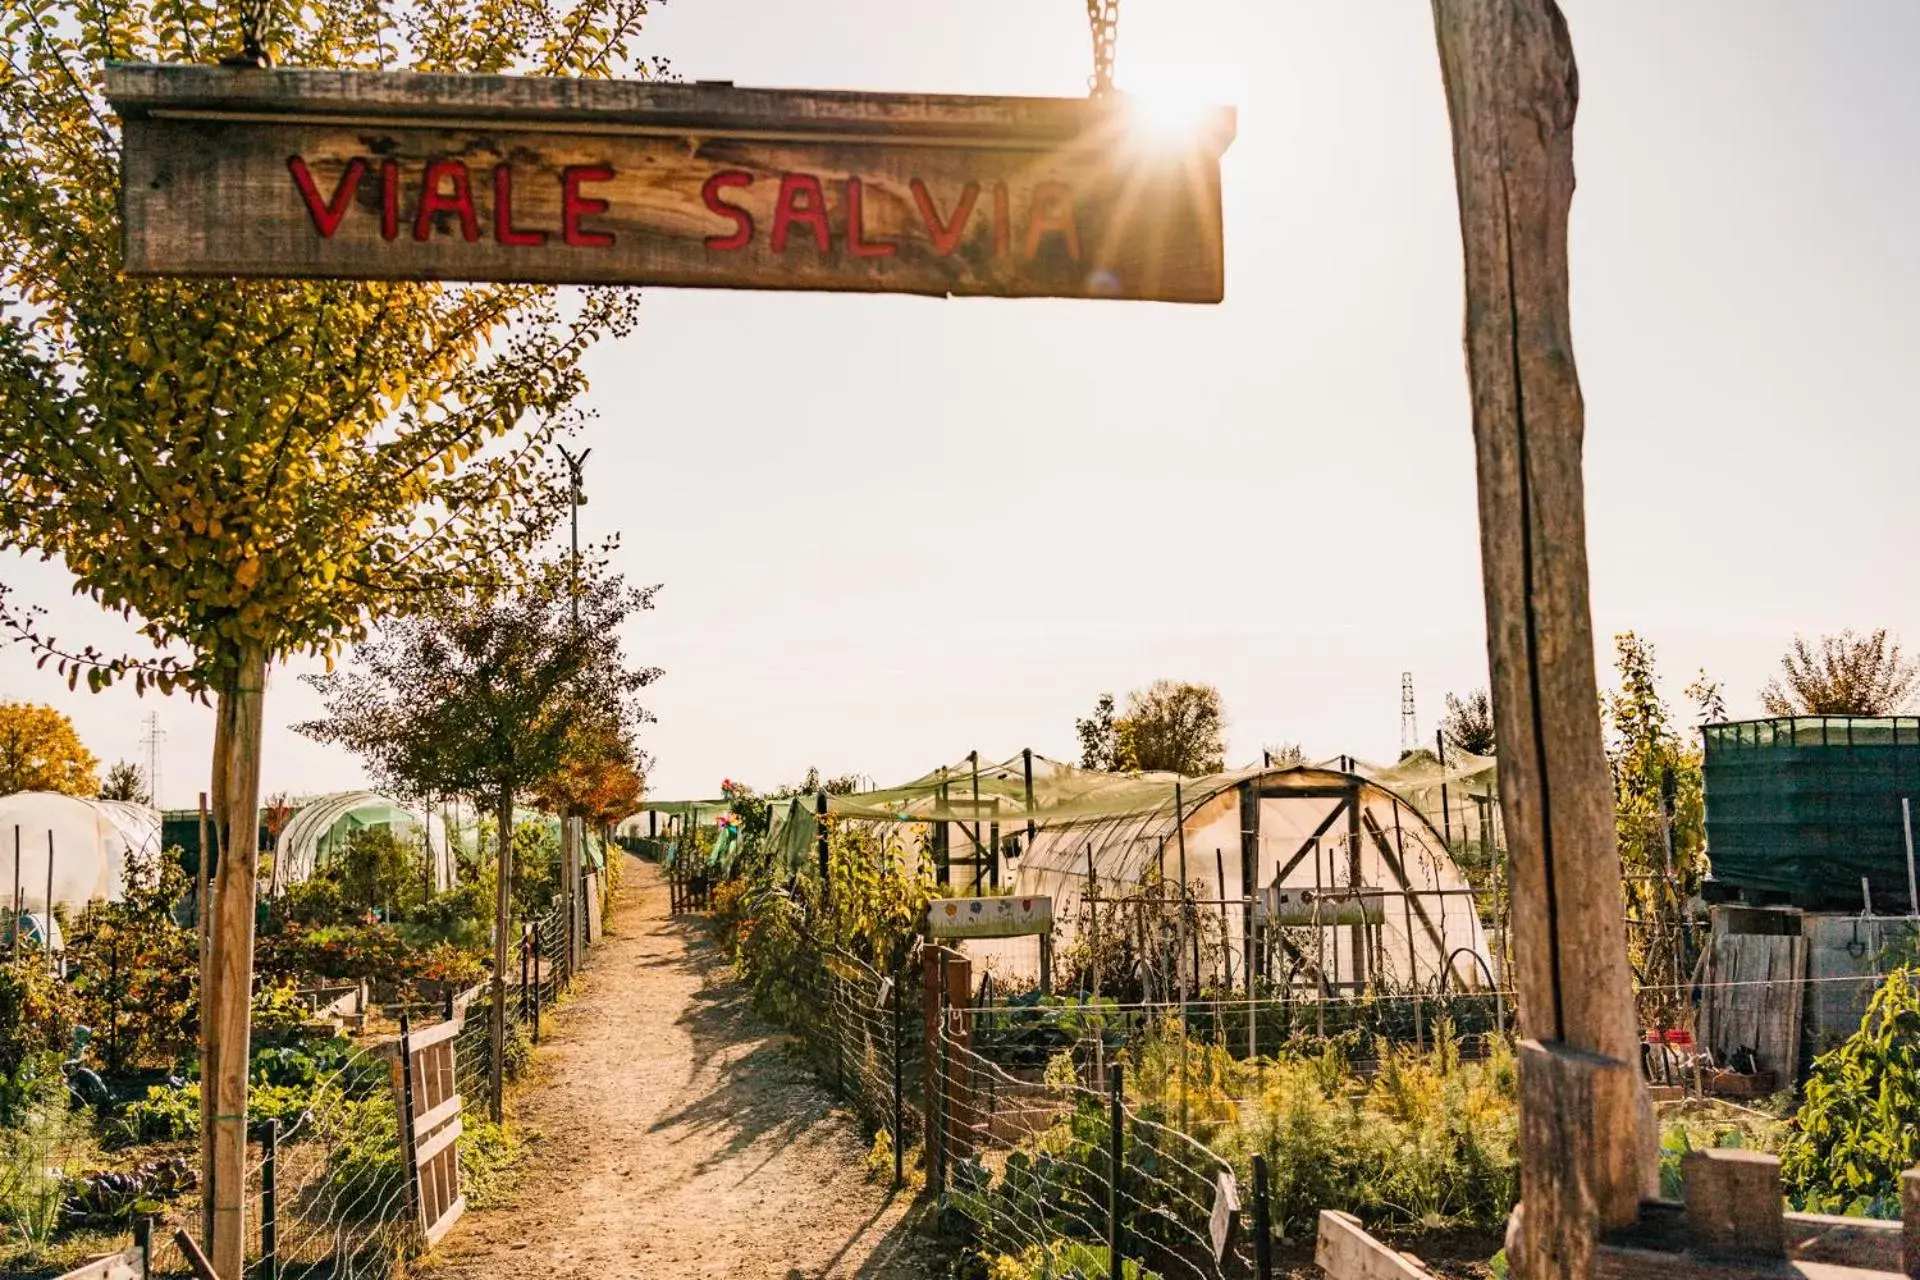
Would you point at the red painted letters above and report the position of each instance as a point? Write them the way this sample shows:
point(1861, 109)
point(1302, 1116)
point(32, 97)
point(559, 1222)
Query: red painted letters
point(945, 238)
point(327, 213)
point(445, 188)
point(1051, 212)
point(857, 243)
point(786, 211)
point(389, 199)
point(573, 204)
point(710, 194)
point(433, 200)
point(503, 229)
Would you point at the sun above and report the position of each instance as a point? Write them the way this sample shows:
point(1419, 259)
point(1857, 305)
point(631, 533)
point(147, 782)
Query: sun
point(1168, 103)
point(1167, 119)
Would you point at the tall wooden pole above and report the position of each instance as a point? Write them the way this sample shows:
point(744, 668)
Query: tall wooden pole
point(227, 1002)
point(1587, 1128)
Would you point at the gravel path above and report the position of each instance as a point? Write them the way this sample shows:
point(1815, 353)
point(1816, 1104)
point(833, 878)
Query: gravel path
point(673, 1134)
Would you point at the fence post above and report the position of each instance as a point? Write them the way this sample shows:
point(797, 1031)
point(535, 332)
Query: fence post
point(537, 958)
point(961, 1111)
point(899, 1101)
point(932, 984)
point(406, 1118)
point(945, 1105)
point(1262, 1227)
point(1119, 1138)
point(143, 1241)
point(270, 1204)
point(526, 958)
point(820, 822)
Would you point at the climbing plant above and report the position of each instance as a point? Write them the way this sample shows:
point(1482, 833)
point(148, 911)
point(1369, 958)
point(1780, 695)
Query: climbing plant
point(1859, 1127)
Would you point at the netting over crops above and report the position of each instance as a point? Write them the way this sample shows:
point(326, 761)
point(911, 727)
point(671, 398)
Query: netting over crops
point(1349, 881)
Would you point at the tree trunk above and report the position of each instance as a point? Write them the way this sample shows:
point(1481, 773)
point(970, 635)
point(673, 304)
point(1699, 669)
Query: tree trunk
point(1511, 91)
point(502, 922)
point(570, 892)
point(227, 1002)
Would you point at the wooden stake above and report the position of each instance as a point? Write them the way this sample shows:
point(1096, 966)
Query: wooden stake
point(1512, 90)
point(227, 1002)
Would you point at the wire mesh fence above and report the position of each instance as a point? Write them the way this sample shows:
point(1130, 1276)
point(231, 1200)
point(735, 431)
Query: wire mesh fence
point(332, 1188)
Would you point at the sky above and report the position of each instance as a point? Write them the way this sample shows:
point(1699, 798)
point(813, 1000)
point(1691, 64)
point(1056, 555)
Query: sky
point(893, 530)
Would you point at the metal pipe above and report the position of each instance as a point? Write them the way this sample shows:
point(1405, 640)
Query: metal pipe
point(1117, 1132)
point(1913, 887)
point(1026, 765)
point(48, 936)
point(1226, 941)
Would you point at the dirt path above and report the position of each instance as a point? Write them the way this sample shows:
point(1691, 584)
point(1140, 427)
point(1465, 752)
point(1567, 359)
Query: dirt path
point(673, 1134)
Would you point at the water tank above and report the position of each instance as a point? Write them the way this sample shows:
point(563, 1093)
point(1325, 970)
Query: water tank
point(1800, 808)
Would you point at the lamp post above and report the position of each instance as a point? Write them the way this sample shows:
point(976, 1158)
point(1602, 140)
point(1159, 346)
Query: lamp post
point(569, 833)
point(576, 496)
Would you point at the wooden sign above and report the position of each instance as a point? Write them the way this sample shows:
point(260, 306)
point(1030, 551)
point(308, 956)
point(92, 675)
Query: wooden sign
point(988, 917)
point(403, 176)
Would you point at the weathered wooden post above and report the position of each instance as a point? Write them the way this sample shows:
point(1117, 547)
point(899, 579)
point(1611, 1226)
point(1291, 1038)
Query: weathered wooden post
point(958, 1082)
point(1586, 1125)
point(227, 1000)
point(932, 996)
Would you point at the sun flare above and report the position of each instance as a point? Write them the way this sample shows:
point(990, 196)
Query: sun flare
point(1167, 118)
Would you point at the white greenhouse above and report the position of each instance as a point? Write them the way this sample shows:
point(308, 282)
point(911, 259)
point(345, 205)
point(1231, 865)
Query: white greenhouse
point(72, 849)
point(319, 830)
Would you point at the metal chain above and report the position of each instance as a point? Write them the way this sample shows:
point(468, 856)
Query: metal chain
point(1103, 16)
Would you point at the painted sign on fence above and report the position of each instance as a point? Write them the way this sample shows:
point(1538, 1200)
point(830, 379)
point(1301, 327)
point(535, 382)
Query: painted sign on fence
point(402, 176)
point(988, 917)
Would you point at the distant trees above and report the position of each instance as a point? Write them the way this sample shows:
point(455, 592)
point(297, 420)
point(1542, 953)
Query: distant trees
point(1099, 742)
point(1468, 724)
point(1171, 726)
point(1844, 675)
point(601, 774)
point(39, 751)
point(126, 781)
point(486, 696)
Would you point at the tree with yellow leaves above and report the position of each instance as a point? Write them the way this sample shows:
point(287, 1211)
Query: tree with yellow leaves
point(39, 751)
point(255, 469)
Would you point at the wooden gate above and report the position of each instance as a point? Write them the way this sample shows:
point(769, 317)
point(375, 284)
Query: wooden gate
point(430, 1101)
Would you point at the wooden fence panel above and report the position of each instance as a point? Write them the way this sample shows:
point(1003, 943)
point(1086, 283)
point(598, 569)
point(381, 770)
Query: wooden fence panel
point(434, 1128)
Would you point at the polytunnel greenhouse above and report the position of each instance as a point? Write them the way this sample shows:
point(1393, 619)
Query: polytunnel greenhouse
point(78, 847)
point(1339, 880)
point(319, 830)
